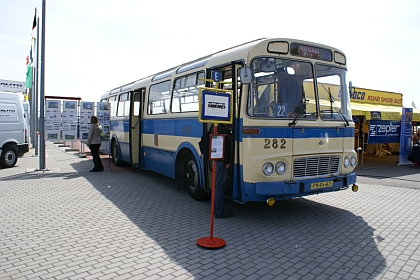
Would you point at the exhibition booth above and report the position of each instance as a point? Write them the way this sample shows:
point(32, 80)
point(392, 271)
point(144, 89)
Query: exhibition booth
point(381, 124)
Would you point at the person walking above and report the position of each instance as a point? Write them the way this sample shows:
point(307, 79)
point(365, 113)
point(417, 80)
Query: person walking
point(94, 143)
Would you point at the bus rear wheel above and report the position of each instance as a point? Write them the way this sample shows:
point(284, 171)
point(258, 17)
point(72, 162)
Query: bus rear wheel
point(114, 154)
point(192, 180)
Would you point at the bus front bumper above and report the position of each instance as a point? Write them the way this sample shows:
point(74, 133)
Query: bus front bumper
point(286, 190)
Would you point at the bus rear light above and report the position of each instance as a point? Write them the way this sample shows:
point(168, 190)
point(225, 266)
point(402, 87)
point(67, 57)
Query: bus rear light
point(250, 131)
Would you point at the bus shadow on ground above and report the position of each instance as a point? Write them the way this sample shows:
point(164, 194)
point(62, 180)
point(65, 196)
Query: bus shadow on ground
point(295, 239)
point(141, 219)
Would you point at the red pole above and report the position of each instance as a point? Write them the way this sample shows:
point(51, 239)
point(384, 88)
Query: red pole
point(210, 242)
point(213, 188)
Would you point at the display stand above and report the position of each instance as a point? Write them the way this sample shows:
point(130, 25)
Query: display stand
point(211, 242)
point(215, 106)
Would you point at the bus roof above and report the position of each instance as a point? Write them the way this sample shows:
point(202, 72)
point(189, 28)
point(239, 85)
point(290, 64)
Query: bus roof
point(199, 62)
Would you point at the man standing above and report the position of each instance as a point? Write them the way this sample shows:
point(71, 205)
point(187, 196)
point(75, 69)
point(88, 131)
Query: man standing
point(222, 172)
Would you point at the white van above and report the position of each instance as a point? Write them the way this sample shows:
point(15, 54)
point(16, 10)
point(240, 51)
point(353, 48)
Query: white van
point(14, 130)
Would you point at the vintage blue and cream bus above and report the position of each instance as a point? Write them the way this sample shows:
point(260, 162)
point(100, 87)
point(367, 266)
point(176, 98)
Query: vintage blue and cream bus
point(292, 124)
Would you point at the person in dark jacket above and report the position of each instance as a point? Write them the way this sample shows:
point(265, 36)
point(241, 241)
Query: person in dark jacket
point(222, 172)
point(94, 143)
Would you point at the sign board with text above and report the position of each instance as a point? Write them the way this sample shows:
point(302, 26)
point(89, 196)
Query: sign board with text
point(215, 106)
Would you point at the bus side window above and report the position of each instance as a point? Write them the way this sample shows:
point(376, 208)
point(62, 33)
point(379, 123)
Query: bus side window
point(159, 98)
point(123, 105)
point(113, 102)
point(137, 104)
point(185, 93)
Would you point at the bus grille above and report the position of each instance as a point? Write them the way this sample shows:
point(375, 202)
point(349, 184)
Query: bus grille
point(315, 166)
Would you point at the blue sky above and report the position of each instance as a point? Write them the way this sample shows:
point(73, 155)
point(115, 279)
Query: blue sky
point(96, 45)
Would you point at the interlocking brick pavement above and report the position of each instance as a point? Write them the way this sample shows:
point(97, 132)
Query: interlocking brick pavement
point(68, 223)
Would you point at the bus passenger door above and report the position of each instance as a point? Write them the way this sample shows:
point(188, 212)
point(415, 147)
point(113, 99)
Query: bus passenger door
point(229, 78)
point(135, 126)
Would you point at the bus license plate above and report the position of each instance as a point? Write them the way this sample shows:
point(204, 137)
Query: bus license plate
point(321, 185)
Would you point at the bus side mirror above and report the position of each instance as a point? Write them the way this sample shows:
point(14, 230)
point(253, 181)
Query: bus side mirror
point(351, 88)
point(246, 75)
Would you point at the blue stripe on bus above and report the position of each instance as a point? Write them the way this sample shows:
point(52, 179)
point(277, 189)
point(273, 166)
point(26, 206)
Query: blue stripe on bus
point(160, 161)
point(188, 127)
point(120, 125)
point(296, 132)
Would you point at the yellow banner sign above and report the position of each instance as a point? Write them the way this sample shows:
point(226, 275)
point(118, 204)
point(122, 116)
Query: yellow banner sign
point(368, 96)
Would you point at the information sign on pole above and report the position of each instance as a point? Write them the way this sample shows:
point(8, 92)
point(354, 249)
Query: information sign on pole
point(103, 114)
point(215, 106)
point(406, 139)
point(87, 110)
point(69, 121)
point(217, 142)
point(53, 120)
point(216, 76)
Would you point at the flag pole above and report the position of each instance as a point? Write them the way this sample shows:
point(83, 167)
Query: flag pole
point(32, 101)
point(32, 94)
point(36, 89)
point(42, 95)
point(32, 91)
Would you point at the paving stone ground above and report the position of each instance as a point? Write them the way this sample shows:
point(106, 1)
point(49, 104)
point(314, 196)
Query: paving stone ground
point(69, 223)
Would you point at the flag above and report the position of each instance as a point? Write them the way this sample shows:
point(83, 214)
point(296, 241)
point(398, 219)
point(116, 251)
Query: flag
point(29, 76)
point(34, 23)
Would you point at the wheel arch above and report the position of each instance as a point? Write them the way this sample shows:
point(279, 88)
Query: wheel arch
point(181, 155)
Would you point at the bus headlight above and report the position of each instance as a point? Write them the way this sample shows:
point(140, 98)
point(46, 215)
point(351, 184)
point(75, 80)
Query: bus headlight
point(280, 168)
point(346, 162)
point(268, 168)
point(353, 161)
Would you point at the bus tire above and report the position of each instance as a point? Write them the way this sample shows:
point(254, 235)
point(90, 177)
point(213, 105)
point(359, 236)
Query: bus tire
point(114, 154)
point(9, 156)
point(191, 179)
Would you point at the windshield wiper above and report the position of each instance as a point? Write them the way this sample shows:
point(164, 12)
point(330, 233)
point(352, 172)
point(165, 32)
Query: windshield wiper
point(335, 106)
point(297, 109)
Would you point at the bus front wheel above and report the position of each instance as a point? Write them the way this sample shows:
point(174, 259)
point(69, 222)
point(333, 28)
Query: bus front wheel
point(191, 179)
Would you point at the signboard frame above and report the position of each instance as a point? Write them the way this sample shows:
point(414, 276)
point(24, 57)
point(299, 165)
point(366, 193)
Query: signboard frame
point(216, 106)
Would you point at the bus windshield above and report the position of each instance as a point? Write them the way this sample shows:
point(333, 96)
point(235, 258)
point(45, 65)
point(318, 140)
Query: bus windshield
point(334, 99)
point(285, 88)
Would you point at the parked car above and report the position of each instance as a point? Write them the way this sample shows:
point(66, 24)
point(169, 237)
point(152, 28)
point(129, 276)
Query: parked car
point(14, 129)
